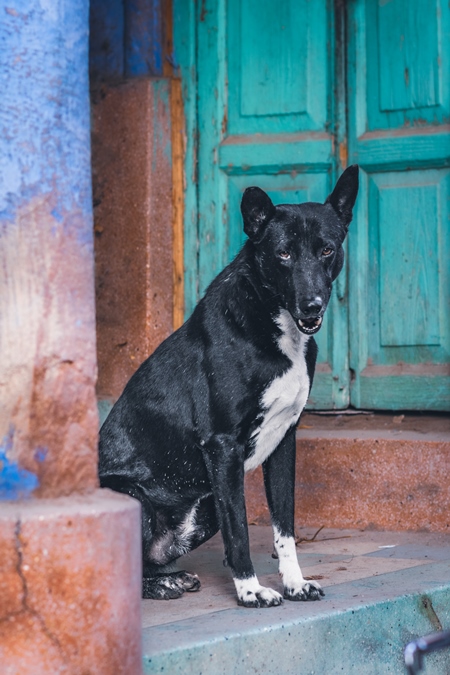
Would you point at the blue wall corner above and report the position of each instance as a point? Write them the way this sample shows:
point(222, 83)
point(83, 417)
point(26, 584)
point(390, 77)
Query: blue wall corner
point(126, 39)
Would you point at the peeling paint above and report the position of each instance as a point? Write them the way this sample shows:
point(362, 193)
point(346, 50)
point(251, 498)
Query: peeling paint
point(127, 39)
point(47, 329)
point(15, 482)
point(45, 105)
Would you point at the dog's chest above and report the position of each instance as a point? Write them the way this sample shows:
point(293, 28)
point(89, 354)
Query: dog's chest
point(285, 397)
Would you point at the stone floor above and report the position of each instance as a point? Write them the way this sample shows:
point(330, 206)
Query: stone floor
point(383, 589)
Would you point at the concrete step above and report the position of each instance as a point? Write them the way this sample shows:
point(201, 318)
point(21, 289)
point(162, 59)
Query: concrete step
point(384, 471)
point(383, 589)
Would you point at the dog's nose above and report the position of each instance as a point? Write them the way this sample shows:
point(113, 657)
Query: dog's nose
point(311, 307)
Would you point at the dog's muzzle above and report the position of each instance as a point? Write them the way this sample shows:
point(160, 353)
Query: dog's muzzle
point(309, 326)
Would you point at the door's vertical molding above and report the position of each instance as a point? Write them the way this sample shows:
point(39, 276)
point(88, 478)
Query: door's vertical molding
point(358, 249)
point(358, 246)
point(170, 69)
point(338, 120)
point(178, 145)
point(356, 73)
point(212, 189)
point(184, 58)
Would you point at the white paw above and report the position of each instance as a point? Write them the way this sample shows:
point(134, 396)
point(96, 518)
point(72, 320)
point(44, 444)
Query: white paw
point(251, 594)
point(306, 590)
point(295, 586)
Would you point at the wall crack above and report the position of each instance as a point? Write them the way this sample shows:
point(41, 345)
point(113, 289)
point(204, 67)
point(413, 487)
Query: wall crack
point(430, 612)
point(25, 606)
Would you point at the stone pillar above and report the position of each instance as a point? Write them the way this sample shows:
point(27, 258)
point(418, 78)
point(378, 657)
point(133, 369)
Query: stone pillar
point(69, 553)
point(132, 179)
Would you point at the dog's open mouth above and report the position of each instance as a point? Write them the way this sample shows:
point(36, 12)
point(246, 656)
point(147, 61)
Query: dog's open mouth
point(310, 326)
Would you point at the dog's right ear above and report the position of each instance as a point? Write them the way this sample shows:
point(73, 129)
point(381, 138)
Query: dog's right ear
point(257, 209)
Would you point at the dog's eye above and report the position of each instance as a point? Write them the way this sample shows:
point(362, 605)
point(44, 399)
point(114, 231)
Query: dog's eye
point(285, 255)
point(327, 251)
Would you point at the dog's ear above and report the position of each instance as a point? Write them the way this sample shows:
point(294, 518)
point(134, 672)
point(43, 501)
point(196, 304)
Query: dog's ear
point(257, 209)
point(343, 197)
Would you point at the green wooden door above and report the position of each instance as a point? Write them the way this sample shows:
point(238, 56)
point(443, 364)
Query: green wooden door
point(264, 80)
point(399, 281)
point(265, 90)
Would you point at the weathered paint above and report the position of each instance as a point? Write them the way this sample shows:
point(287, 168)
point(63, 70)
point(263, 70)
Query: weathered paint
point(48, 361)
point(39, 141)
point(252, 118)
point(70, 586)
point(361, 627)
point(106, 40)
point(132, 173)
point(15, 483)
point(272, 111)
point(184, 39)
point(70, 572)
point(126, 39)
point(178, 146)
point(399, 134)
point(143, 38)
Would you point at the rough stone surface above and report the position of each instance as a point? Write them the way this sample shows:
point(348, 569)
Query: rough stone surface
point(70, 586)
point(368, 474)
point(47, 392)
point(47, 348)
point(132, 178)
point(382, 590)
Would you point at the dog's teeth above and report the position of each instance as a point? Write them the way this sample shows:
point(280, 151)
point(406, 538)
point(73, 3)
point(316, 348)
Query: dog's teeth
point(310, 326)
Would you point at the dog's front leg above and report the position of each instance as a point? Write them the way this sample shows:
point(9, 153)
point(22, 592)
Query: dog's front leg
point(225, 464)
point(279, 480)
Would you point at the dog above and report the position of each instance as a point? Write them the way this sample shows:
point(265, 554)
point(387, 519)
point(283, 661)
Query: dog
point(224, 394)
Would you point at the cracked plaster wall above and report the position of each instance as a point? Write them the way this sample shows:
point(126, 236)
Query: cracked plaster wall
point(70, 576)
point(47, 332)
point(70, 566)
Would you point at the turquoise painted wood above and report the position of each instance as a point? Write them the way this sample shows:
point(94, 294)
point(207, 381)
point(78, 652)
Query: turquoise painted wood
point(265, 104)
point(185, 42)
point(399, 283)
point(275, 96)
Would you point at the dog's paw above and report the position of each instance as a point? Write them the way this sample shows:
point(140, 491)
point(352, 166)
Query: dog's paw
point(308, 590)
point(169, 586)
point(190, 582)
point(264, 597)
point(251, 594)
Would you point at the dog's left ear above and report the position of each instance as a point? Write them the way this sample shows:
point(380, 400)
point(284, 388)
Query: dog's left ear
point(257, 209)
point(343, 197)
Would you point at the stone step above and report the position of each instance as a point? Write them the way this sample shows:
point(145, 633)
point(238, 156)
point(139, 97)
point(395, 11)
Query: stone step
point(383, 589)
point(373, 470)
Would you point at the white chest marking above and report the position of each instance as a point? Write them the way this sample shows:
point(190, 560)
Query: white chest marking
point(285, 397)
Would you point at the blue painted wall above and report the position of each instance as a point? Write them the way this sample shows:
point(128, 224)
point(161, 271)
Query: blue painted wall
point(126, 39)
point(44, 123)
point(44, 160)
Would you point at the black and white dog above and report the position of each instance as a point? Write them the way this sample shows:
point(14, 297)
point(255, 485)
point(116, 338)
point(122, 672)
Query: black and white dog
point(224, 394)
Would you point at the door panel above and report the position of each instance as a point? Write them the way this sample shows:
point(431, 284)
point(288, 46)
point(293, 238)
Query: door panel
point(399, 285)
point(265, 83)
point(407, 62)
point(271, 82)
point(257, 118)
point(277, 66)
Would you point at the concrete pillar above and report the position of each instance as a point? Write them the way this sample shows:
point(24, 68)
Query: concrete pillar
point(70, 554)
point(132, 178)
